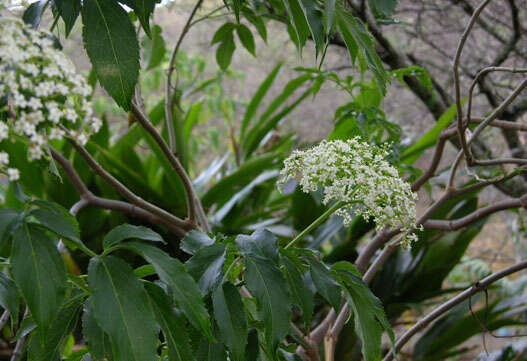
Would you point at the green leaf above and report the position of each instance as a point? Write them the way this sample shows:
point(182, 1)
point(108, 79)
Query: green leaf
point(246, 37)
point(258, 97)
point(98, 341)
point(384, 7)
point(122, 309)
point(315, 21)
point(172, 325)
point(225, 51)
point(143, 9)
point(128, 231)
point(367, 310)
point(206, 267)
point(325, 284)
point(39, 273)
point(59, 332)
point(253, 347)
point(223, 32)
point(110, 41)
point(329, 7)
point(257, 22)
point(154, 48)
point(9, 220)
point(427, 140)
point(186, 291)
point(194, 241)
point(229, 312)
point(298, 21)
point(9, 299)
point(69, 11)
point(267, 284)
point(358, 39)
point(33, 14)
point(211, 351)
point(58, 220)
point(302, 295)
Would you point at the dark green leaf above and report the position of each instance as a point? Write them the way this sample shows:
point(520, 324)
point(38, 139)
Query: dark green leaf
point(206, 267)
point(302, 295)
point(172, 325)
point(384, 7)
point(325, 284)
point(315, 21)
point(298, 22)
point(69, 11)
point(98, 341)
point(33, 14)
point(122, 309)
point(211, 351)
point(154, 48)
point(58, 333)
point(39, 273)
point(229, 312)
point(267, 284)
point(224, 31)
point(257, 22)
point(246, 37)
point(9, 299)
point(186, 291)
point(225, 51)
point(143, 9)
point(330, 15)
point(128, 231)
point(253, 348)
point(9, 220)
point(57, 219)
point(194, 241)
point(110, 41)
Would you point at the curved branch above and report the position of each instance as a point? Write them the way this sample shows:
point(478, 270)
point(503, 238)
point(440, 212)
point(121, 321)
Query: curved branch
point(484, 283)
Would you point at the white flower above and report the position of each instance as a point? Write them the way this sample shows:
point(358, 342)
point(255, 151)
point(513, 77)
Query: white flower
point(13, 174)
point(356, 173)
point(4, 158)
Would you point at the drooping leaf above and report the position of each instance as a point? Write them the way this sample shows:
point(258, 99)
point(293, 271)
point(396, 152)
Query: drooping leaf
point(367, 310)
point(223, 31)
point(225, 51)
point(154, 48)
point(246, 38)
point(111, 43)
point(59, 331)
point(9, 220)
point(69, 11)
point(9, 299)
point(98, 341)
point(39, 273)
point(122, 309)
point(128, 231)
point(211, 351)
point(172, 325)
point(206, 267)
point(194, 241)
point(325, 283)
point(298, 22)
point(267, 284)
point(229, 312)
point(302, 295)
point(315, 21)
point(143, 9)
point(384, 7)
point(33, 14)
point(186, 291)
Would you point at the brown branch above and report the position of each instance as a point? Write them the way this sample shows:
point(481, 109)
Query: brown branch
point(422, 323)
point(193, 203)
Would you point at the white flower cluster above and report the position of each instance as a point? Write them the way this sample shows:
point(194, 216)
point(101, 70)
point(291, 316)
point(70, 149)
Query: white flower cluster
point(47, 99)
point(356, 173)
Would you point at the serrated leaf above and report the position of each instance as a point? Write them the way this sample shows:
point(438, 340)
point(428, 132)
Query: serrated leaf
point(122, 309)
point(229, 312)
point(111, 43)
point(186, 291)
point(246, 38)
point(57, 219)
point(69, 11)
point(128, 231)
point(302, 295)
point(325, 284)
point(98, 341)
point(143, 9)
point(39, 273)
point(9, 299)
point(267, 284)
point(154, 48)
point(225, 51)
point(206, 267)
point(194, 241)
point(172, 325)
point(59, 331)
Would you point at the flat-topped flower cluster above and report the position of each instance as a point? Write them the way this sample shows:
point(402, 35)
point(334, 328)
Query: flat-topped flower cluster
point(357, 174)
point(46, 98)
